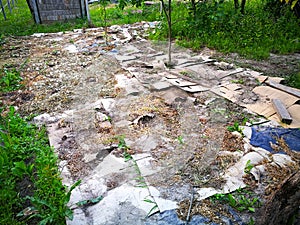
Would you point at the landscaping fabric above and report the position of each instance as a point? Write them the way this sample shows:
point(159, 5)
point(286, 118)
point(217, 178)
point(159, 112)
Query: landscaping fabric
point(263, 136)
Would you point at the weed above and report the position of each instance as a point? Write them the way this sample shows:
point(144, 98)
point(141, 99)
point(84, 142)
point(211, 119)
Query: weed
point(10, 80)
point(251, 221)
point(248, 166)
point(239, 81)
point(184, 73)
point(153, 208)
point(234, 127)
point(241, 200)
point(237, 127)
point(90, 201)
point(31, 187)
point(180, 140)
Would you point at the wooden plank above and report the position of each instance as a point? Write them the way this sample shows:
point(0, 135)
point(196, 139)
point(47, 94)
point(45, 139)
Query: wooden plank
point(282, 111)
point(284, 88)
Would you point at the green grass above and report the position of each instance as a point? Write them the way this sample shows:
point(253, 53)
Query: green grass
point(241, 200)
point(20, 21)
point(31, 189)
point(129, 15)
point(254, 35)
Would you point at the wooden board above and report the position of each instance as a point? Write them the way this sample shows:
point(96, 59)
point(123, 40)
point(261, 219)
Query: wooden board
point(282, 112)
point(264, 106)
point(284, 88)
point(294, 111)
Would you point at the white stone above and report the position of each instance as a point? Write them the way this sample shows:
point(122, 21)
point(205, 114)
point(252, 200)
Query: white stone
point(108, 104)
point(163, 204)
point(104, 211)
point(207, 192)
point(71, 48)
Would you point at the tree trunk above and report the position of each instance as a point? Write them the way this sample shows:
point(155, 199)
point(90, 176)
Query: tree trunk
point(243, 3)
point(236, 4)
point(283, 204)
point(168, 12)
point(170, 35)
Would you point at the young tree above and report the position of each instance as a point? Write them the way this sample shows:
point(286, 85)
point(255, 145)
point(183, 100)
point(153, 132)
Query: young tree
point(104, 4)
point(167, 8)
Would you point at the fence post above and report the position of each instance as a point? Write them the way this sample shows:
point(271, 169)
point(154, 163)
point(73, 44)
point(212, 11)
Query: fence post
point(8, 5)
point(36, 12)
point(3, 10)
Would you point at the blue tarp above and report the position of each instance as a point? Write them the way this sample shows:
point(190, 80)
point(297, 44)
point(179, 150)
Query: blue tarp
point(262, 136)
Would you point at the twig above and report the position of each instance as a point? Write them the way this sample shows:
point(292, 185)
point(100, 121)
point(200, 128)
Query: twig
point(190, 207)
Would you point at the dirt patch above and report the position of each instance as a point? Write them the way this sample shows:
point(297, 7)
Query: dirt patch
point(275, 65)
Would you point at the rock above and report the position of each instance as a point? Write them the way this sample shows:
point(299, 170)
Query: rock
point(71, 48)
point(125, 58)
point(145, 143)
point(161, 85)
point(108, 103)
point(45, 119)
point(100, 117)
point(125, 202)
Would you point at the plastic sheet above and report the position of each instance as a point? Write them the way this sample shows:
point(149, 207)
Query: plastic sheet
point(263, 136)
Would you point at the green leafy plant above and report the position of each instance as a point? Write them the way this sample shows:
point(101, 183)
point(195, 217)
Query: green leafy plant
point(31, 188)
point(248, 166)
point(234, 127)
point(241, 200)
point(180, 140)
point(10, 80)
point(90, 201)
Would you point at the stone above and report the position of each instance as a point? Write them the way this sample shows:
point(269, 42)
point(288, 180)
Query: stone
point(207, 192)
point(181, 83)
point(71, 48)
point(163, 204)
point(122, 201)
point(108, 103)
point(146, 143)
point(125, 58)
point(161, 85)
point(196, 88)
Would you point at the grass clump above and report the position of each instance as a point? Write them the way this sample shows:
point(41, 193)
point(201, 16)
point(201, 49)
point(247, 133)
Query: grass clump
point(10, 80)
point(31, 190)
point(241, 200)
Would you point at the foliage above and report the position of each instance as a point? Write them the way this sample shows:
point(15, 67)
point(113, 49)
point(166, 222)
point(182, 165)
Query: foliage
point(241, 200)
point(128, 15)
point(235, 127)
point(293, 80)
point(31, 189)
point(10, 80)
point(248, 166)
point(218, 25)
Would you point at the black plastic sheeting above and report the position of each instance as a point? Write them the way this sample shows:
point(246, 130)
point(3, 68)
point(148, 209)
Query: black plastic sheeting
point(263, 136)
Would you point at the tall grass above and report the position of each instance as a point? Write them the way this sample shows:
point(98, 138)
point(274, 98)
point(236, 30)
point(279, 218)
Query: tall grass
point(255, 34)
